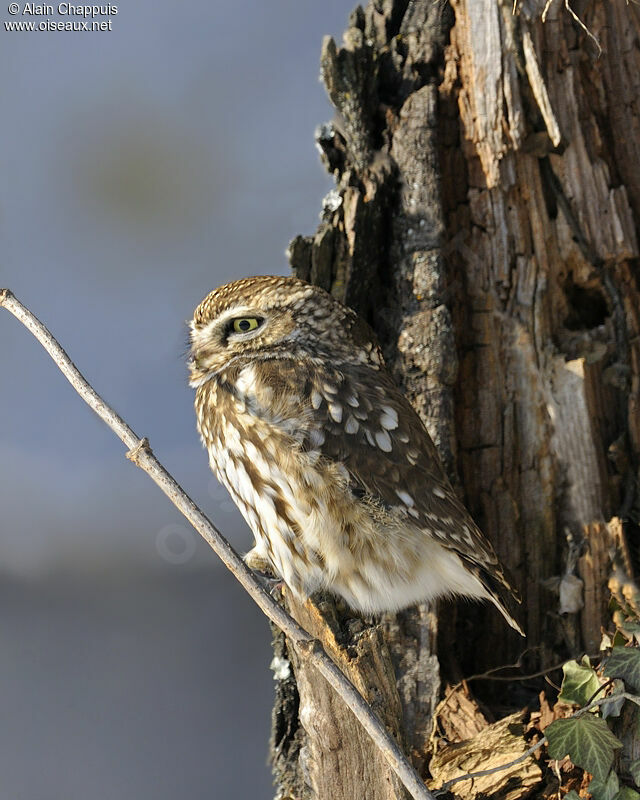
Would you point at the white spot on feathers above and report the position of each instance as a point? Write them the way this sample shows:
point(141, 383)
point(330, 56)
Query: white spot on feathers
point(405, 497)
point(351, 425)
point(389, 418)
point(383, 440)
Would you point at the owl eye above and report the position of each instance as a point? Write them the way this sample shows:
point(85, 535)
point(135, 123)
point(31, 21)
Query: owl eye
point(245, 324)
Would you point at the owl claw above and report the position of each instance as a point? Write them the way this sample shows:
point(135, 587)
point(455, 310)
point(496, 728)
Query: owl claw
point(263, 570)
point(270, 582)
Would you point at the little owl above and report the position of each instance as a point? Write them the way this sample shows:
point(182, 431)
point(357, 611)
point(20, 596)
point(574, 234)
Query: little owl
point(328, 462)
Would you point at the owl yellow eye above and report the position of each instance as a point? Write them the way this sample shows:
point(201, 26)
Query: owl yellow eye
point(245, 324)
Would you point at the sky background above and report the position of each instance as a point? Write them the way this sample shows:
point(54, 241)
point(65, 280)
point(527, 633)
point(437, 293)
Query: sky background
point(142, 167)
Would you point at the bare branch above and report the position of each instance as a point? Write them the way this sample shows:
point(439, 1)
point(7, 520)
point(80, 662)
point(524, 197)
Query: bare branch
point(140, 453)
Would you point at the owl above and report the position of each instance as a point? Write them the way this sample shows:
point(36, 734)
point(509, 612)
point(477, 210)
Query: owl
point(328, 462)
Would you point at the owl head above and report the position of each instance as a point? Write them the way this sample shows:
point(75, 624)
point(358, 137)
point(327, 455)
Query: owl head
point(270, 317)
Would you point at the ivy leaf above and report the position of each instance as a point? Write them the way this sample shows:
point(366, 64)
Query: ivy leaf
point(580, 682)
point(587, 740)
point(626, 793)
point(614, 707)
point(619, 639)
point(605, 790)
point(624, 662)
point(572, 795)
point(634, 771)
point(631, 629)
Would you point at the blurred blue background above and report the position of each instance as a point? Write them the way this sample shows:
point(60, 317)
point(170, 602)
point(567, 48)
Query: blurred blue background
point(142, 167)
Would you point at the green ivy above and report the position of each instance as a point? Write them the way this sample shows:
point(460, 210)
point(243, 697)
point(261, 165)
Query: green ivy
point(587, 741)
point(624, 663)
point(605, 790)
point(586, 737)
point(626, 793)
point(579, 684)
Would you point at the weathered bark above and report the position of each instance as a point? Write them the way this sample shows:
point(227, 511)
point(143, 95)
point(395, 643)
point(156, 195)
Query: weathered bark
point(546, 317)
point(485, 222)
point(495, 745)
point(325, 765)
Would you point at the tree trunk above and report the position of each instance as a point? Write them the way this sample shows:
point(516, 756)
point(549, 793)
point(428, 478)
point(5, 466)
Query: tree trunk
point(485, 222)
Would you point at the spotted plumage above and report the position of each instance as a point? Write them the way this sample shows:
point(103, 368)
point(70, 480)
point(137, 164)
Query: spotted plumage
point(328, 462)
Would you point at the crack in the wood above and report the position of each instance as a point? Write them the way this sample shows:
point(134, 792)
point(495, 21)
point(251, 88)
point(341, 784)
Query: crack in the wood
point(552, 182)
point(618, 315)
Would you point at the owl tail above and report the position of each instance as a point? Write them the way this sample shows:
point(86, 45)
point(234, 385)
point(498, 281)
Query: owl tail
point(501, 593)
point(504, 598)
point(510, 617)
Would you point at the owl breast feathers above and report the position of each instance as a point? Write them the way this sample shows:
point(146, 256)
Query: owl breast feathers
point(328, 462)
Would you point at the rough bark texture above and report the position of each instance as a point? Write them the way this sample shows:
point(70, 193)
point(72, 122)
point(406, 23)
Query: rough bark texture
point(546, 316)
point(495, 745)
point(485, 222)
point(324, 765)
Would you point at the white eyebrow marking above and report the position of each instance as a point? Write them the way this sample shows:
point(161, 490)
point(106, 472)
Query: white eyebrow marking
point(201, 335)
point(236, 311)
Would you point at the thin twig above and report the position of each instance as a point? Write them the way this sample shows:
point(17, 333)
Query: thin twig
point(489, 676)
point(600, 689)
point(140, 453)
point(583, 26)
point(482, 773)
point(576, 18)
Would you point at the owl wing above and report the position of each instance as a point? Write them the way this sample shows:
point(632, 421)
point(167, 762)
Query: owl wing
point(358, 417)
point(367, 424)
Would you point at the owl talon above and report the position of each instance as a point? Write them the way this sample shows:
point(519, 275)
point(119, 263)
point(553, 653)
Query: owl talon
point(263, 570)
point(270, 582)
